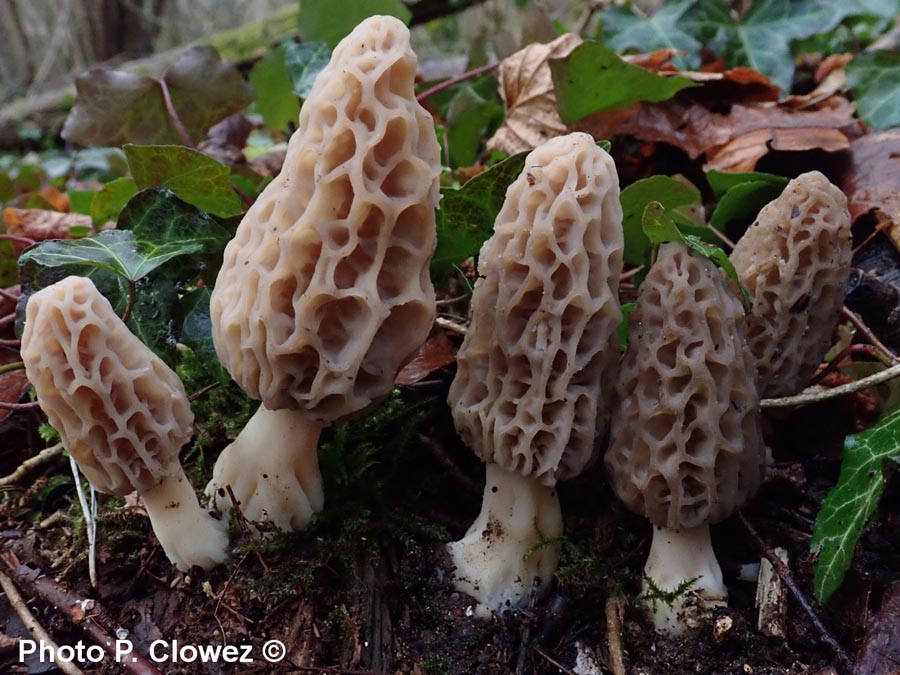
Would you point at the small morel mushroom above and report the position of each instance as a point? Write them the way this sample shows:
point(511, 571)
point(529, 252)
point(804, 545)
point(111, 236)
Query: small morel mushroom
point(531, 393)
point(120, 411)
point(686, 448)
point(794, 261)
point(324, 292)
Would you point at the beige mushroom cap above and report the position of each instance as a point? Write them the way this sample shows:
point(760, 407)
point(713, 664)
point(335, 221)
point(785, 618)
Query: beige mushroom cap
point(533, 385)
point(795, 262)
point(121, 412)
point(325, 291)
point(686, 447)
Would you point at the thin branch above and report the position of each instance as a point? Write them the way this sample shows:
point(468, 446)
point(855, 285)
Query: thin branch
point(44, 456)
point(8, 319)
point(20, 407)
point(208, 388)
point(173, 114)
point(614, 635)
point(28, 241)
point(817, 394)
point(37, 630)
point(553, 662)
point(446, 84)
point(867, 332)
point(787, 577)
point(451, 325)
point(10, 343)
point(837, 362)
point(9, 296)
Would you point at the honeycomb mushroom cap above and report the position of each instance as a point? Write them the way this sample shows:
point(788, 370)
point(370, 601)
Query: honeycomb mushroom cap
point(121, 412)
point(795, 262)
point(685, 445)
point(325, 291)
point(533, 385)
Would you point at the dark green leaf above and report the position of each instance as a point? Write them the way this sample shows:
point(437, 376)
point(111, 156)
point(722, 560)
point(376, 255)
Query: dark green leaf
point(276, 100)
point(323, 21)
point(111, 199)
point(80, 201)
point(465, 216)
point(874, 78)
point(115, 107)
point(721, 181)
point(622, 328)
point(660, 228)
point(9, 273)
point(196, 332)
point(742, 203)
point(851, 502)
point(593, 78)
point(194, 176)
point(624, 28)
point(469, 118)
point(305, 60)
point(669, 192)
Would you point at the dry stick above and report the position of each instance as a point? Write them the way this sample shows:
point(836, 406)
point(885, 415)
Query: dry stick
point(245, 525)
point(42, 457)
point(451, 325)
point(614, 635)
point(208, 388)
point(87, 614)
point(554, 662)
point(36, 629)
point(18, 407)
point(861, 326)
point(787, 577)
point(815, 395)
point(446, 84)
point(10, 343)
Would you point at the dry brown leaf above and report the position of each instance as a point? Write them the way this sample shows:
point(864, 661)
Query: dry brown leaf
point(40, 224)
point(879, 653)
point(872, 180)
point(527, 90)
point(436, 353)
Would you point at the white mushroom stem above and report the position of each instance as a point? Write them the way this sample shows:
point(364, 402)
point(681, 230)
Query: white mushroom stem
point(676, 557)
point(511, 543)
point(188, 534)
point(272, 469)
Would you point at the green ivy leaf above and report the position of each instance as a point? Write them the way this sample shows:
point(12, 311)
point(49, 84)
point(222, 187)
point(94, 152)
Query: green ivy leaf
point(722, 181)
point(109, 200)
point(668, 192)
point(323, 21)
point(622, 328)
point(660, 228)
point(194, 176)
point(303, 61)
point(624, 28)
point(874, 78)
point(742, 195)
point(196, 332)
point(852, 501)
point(593, 78)
point(466, 215)
point(115, 107)
point(469, 116)
point(276, 102)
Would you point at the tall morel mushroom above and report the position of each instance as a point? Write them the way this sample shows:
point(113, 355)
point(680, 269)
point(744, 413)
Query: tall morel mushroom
point(794, 261)
point(120, 411)
point(324, 292)
point(686, 448)
point(531, 393)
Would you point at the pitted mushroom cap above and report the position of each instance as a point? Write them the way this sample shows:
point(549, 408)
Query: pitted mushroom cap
point(686, 447)
point(120, 411)
point(795, 262)
point(325, 291)
point(533, 386)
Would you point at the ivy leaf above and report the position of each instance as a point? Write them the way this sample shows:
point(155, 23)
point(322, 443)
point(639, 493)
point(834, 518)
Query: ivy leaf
point(760, 38)
point(593, 78)
point(851, 502)
point(742, 195)
point(668, 192)
point(196, 332)
point(625, 29)
point(323, 21)
point(660, 228)
point(109, 200)
point(874, 78)
point(194, 176)
point(469, 115)
point(115, 107)
point(466, 215)
point(277, 102)
point(303, 61)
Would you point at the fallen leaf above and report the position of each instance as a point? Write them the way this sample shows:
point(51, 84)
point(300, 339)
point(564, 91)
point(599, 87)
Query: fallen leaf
point(436, 353)
point(226, 140)
point(879, 653)
point(41, 224)
point(7, 304)
point(874, 78)
point(12, 385)
point(872, 179)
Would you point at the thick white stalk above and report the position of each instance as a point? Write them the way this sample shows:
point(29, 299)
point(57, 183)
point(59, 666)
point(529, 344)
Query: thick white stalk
point(272, 469)
point(501, 555)
point(675, 557)
point(187, 533)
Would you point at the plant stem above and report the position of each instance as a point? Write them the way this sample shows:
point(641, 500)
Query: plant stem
point(126, 315)
point(10, 367)
point(173, 114)
point(446, 84)
point(816, 395)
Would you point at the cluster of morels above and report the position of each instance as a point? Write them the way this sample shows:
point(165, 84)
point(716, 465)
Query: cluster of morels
point(324, 294)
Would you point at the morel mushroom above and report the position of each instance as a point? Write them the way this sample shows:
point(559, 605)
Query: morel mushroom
point(324, 292)
point(686, 448)
point(120, 411)
point(795, 263)
point(531, 393)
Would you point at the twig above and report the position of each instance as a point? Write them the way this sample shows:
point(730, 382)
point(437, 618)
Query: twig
point(614, 635)
point(784, 572)
point(208, 388)
point(28, 241)
point(245, 525)
point(10, 343)
point(451, 325)
point(221, 596)
point(446, 84)
point(19, 407)
point(861, 326)
point(9, 296)
point(36, 629)
point(173, 114)
point(90, 520)
point(451, 301)
point(88, 615)
point(553, 662)
point(817, 394)
point(525, 634)
point(42, 457)
point(247, 199)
